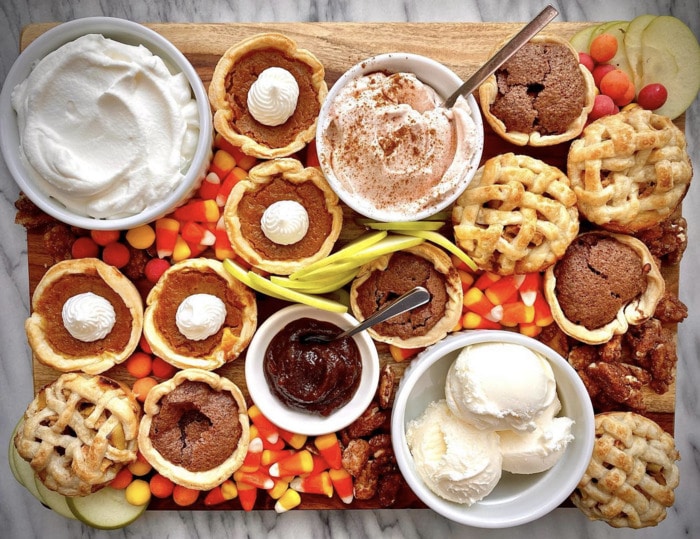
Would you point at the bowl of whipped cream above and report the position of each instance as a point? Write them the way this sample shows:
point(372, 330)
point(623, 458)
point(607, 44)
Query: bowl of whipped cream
point(105, 124)
point(492, 429)
point(388, 147)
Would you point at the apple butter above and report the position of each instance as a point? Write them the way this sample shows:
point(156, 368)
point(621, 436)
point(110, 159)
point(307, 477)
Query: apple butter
point(318, 378)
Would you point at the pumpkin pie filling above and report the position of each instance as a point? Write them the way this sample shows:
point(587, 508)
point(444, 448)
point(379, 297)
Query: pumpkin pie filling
point(50, 306)
point(178, 286)
point(197, 426)
point(242, 76)
point(254, 203)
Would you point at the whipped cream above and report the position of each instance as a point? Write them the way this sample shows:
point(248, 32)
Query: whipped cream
point(200, 316)
point(105, 128)
point(88, 317)
point(273, 97)
point(285, 222)
point(414, 152)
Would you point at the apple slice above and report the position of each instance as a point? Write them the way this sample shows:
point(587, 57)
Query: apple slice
point(442, 241)
point(261, 284)
point(242, 275)
point(582, 38)
point(618, 30)
point(10, 454)
point(55, 501)
point(633, 46)
point(346, 252)
point(106, 509)
point(25, 474)
point(388, 244)
point(312, 286)
point(671, 56)
point(402, 225)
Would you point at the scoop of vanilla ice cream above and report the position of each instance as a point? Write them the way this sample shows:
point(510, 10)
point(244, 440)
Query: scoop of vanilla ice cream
point(539, 450)
point(500, 386)
point(456, 461)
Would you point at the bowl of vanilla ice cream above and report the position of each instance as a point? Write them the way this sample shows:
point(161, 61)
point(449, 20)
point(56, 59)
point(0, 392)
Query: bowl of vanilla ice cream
point(105, 124)
point(388, 147)
point(492, 429)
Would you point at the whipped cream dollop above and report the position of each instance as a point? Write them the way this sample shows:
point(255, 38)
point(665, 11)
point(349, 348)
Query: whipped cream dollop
point(285, 222)
point(414, 152)
point(273, 97)
point(200, 316)
point(105, 128)
point(88, 317)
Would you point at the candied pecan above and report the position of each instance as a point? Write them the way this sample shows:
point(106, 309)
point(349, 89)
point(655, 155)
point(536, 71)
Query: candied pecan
point(136, 265)
point(671, 309)
point(659, 358)
point(387, 488)
point(644, 338)
point(556, 339)
point(582, 356)
point(58, 240)
point(611, 351)
point(370, 420)
point(666, 241)
point(385, 391)
point(355, 456)
point(365, 486)
point(30, 216)
point(620, 382)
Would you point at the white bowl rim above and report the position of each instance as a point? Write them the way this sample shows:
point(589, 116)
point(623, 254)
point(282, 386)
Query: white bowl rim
point(61, 34)
point(300, 422)
point(377, 63)
point(415, 371)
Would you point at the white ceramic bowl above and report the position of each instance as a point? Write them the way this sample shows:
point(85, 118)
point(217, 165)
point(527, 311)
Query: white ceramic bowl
point(517, 498)
point(297, 421)
point(126, 32)
point(432, 73)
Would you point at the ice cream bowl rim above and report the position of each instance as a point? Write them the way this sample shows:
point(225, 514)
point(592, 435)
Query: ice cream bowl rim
point(429, 71)
point(131, 33)
point(296, 421)
point(517, 498)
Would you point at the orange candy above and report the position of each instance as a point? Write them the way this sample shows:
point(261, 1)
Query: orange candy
point(161, 486)
point(184, 496)
point(142, 386)
point(603, 48)
point(139, 364)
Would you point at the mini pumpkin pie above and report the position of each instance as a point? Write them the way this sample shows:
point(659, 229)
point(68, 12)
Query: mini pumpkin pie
point(518, 215)
point(195, 428)
point(390, 276)
point(283, 217)
point(197, 315)
point(267, 94)
point(630, 170)
point(86, 315)
point(78, 432)
point(604, 283)
point(632, 475)
point(541, 96)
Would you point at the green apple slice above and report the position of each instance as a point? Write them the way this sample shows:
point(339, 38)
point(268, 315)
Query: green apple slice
point(243, 275)
point(25, 474)
point(351, 249)
point(601, 29)
point(387, 244)
point(10, 454)
point(261, 284)
point(402, 225)
point(106, 509)
point(580, 39)
point(633, 45)
point(442, 241)
point(336, 280)
point(671, 56)
point(55, 501)
point(327, 272)
point(618, 30)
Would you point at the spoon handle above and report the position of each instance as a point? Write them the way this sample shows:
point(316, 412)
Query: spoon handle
point(410, 300)
point(503, 54)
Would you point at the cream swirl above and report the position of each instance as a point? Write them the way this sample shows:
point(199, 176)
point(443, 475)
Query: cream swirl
point(200, 316)
point(88, 317)
point(273, 97)
point(285, 222)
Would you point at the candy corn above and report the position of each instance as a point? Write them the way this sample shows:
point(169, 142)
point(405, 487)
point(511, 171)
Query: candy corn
point(166, 236)
point(299, 463)
point(289, 500)
point(266, 429)
point(314, 484)
point(329, 447)
point(342, 483)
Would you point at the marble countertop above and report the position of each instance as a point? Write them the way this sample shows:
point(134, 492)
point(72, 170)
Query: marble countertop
point(22, 517)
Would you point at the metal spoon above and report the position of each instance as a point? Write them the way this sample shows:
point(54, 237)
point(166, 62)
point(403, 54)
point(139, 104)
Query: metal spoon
point(410, 300)
point(503, 54)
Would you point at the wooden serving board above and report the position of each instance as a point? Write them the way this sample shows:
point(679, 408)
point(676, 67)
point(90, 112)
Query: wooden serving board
point(461, 46)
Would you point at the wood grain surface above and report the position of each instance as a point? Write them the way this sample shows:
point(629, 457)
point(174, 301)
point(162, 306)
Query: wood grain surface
point(460, 46)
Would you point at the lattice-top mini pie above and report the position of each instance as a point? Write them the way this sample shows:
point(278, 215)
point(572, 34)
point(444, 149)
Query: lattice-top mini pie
point(518, 215)
point(629, 171)
point(78, 432)
point(195, 429)
point(283, 217)
point(632, 475)
point(86, 316)
point(541, 96)
point(267, 93)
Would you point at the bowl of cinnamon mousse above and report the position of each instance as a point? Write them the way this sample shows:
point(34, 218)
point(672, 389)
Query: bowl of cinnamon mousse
point(388, 147)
